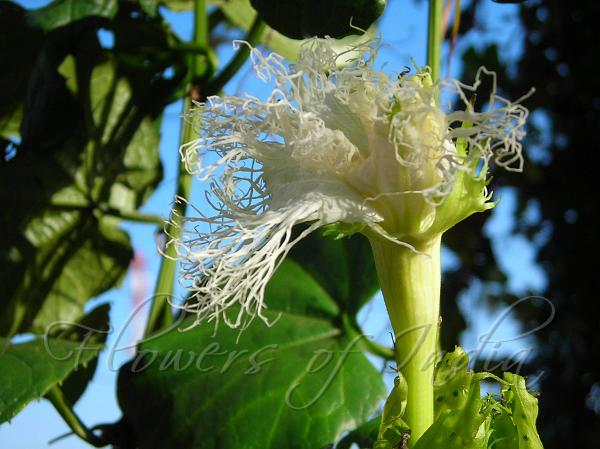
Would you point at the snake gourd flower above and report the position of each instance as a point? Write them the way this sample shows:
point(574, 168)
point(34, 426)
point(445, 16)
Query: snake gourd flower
point(346, 147)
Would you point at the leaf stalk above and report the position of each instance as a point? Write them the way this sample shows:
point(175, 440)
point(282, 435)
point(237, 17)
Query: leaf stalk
point(57, 399)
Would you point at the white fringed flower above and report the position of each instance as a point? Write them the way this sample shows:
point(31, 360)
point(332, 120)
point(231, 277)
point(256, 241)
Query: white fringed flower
point(346, 146)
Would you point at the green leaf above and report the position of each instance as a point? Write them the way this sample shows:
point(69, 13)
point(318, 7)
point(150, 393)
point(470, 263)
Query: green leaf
point(503, 432)
point(452, 381)
point(54, 258)
point(91, 329)
point(63, 12)
point(465, 427)
point(524, 408)
point(295, 290)
point(141, 169)
point(29, 370)
point(58, 260)
point(241, 14)
point(150, 7)
point(268, 397)
point(144, 46)
point(344, 267)
point(179, 5)
point(297, 384)
point(10, 123)
point(299, 19)
point(60, 249)
point(464, 419)
point(94, 267)
point(393, 430)
point(138, 170)
point(21, 43)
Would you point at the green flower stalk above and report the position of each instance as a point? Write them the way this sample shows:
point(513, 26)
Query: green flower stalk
point(349, 148)
point(410, 282)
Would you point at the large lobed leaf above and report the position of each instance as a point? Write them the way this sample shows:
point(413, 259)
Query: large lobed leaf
point(298, 384)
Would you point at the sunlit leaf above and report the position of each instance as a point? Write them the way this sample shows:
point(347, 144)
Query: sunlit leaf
point(524, 408)
point(465, 419)
point(393, 429)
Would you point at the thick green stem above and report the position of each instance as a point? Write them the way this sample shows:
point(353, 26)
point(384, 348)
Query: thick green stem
point(200, 38)
point(410, 281)
point(434, 37)
point(160, 311)
point(160, 314)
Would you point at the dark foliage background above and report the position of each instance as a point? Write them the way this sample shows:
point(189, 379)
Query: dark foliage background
point(560, 59)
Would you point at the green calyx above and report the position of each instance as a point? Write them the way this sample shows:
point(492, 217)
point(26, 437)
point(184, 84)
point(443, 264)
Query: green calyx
point(469, 193)
point(342, 230)
point(468, 196)
point(426, 182)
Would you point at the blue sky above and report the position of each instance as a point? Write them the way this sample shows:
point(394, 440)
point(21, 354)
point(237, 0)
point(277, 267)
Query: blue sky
point(403, 30)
